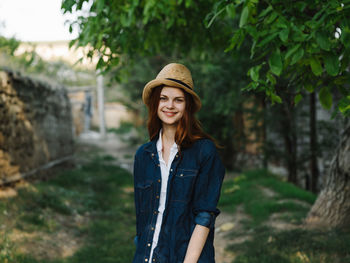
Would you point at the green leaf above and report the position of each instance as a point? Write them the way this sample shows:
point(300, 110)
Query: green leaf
point(283, 34)
point(275, 98)
point(281, 23)
point(297, 34)
point(275, 62)
point(231, 11)
point(271, 78)
point(331, 64)
point(297, 56)
point(325, 97)
point(254, 73)
point(244, 16)
point(316, 66)
point(297, 98)
point(267, 40)
point(236, 40)
point(291, 51)
point(322, 40)
point(266, 11)
point(344, 106)
point(271, 18)
point(310, 88)
point(215, 16)
point(345, 36)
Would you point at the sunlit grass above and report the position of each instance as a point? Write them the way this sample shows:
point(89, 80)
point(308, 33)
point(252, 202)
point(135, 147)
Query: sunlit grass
point(93, 191)
point(262, 195)
point(246, 190)
point(294, 246)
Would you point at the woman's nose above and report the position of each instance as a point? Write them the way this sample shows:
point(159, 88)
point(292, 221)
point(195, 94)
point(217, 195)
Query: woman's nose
point(170, 104)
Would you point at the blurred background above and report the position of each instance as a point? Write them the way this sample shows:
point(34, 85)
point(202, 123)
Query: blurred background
point(273, 78)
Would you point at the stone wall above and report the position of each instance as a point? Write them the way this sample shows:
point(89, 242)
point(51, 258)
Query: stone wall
point(35, 125)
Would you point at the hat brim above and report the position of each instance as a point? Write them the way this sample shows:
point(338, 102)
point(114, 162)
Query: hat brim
point(158, 82)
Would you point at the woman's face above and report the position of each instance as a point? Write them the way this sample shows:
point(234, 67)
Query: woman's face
point(171, 106)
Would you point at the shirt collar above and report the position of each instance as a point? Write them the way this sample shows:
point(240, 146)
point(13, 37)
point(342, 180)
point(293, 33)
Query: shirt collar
point(160, 143)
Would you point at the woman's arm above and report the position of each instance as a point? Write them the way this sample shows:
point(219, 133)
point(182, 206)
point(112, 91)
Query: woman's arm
point(196, 244)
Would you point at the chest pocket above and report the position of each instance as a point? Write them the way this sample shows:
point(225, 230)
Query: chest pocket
point(183, 184)
point(144, 194)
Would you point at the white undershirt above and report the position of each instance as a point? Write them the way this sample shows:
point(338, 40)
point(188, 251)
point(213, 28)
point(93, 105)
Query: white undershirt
point(164, 169)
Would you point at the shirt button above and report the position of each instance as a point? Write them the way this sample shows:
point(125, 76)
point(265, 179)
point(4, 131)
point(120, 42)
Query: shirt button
point(171, 170)
point(157, 196)
point(152, 228)
point(155, 212)
point(146, 259)
point(154, 260)
point(149, 244)
point(158, 164)
point(158, 180)
point(177, 155)
point(181, 175)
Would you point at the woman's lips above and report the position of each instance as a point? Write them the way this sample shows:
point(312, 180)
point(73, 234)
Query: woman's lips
point(169, 114)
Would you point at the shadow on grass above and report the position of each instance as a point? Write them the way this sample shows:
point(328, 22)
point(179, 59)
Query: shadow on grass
point(93, 192)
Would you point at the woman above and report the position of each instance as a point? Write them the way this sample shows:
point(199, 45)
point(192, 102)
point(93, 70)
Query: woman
point(177, 175)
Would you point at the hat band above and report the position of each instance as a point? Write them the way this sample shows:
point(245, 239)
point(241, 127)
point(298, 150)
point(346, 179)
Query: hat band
point(180, 82)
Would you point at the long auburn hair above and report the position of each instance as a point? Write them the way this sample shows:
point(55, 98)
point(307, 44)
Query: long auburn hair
point(188, 129)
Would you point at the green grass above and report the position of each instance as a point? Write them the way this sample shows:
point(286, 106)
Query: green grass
point(266, 245)
point(294, 246)
point(246, 190)
point(124, 128)
point(94, 191)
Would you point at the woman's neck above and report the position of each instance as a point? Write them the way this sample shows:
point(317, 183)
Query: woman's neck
point(168, 134)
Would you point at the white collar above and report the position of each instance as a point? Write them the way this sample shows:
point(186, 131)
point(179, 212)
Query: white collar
point(160, 144)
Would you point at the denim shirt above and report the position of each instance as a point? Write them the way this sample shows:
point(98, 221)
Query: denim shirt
point(193, 191)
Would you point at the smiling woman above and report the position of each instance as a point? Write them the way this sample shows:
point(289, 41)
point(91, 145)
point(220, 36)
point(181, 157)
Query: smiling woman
point(177, 175)
point(171, 105)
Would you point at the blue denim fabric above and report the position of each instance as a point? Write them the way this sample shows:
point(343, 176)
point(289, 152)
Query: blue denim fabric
point(193, 192)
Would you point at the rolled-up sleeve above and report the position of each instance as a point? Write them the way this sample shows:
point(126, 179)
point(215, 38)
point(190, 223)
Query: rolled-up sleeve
point(208, 185)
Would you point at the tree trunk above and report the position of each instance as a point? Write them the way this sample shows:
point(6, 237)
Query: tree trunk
point(290, 140)
point(332, 207)
point(313, 144)
point(264, 132)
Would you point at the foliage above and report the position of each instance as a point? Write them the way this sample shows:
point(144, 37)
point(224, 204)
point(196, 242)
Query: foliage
point(115, 28)
point(8, 45)
point(305, 42)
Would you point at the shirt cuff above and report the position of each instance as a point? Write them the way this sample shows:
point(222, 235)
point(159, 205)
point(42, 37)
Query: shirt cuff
point(206, 219)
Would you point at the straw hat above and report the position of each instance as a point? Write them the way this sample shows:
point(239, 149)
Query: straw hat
point(173, 75)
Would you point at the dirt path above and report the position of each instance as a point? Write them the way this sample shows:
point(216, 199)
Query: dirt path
point(111, 145)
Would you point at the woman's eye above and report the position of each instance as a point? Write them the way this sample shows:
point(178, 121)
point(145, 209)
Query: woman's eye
point(179, 100)
point(162, 98)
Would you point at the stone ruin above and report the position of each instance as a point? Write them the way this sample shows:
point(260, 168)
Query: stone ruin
point(35, 126)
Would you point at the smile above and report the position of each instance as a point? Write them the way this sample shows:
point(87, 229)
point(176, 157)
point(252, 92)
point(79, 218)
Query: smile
point(169, 114)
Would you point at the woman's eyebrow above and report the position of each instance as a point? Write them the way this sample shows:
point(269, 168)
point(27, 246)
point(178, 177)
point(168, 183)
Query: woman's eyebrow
point(177, 97)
